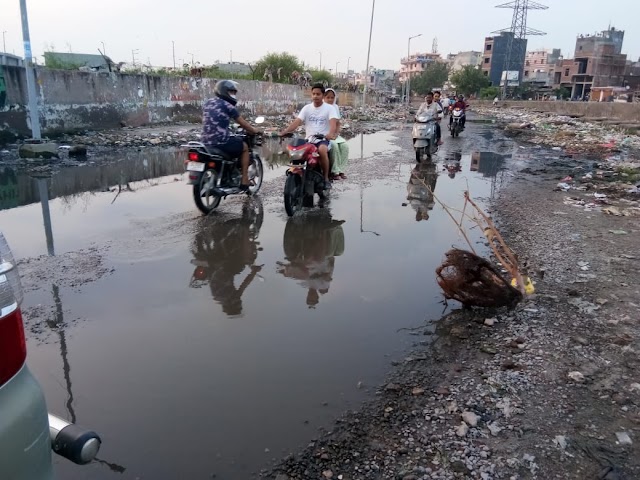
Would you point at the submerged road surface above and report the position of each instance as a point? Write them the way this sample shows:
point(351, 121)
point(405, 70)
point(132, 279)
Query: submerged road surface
point(201, 347)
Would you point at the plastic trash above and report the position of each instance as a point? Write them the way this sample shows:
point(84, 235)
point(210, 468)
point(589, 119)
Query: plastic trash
point(529, 289)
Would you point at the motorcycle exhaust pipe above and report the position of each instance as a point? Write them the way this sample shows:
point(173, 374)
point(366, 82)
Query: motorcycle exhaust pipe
point(73, 442)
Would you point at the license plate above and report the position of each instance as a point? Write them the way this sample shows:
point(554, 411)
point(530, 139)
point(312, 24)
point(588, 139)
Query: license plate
point(195, 167)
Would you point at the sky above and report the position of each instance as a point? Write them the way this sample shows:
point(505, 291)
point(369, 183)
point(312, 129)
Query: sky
point(335, 30)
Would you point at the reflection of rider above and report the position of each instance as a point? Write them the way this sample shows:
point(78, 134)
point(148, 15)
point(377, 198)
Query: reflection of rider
point(452, 163)
point(420, 187)
point(224, 250)
point(310, 247)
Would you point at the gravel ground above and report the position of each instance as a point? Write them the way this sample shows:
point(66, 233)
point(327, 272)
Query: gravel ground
point(548, 390)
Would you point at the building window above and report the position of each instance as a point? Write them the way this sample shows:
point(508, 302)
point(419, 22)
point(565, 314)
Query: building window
point(487, 60)
point(486, 73)
point(566, 72)
point(528, 63)
point(535, 61)
point(542, 62)
point(526, 73)
point(488, 47)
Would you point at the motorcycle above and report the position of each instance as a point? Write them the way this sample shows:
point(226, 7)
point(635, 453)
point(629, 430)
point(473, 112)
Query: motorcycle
point(456, 125)
point(424, 137)
point(304, 175)
point(215, 174)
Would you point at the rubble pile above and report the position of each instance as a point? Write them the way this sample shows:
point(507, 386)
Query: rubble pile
point(572, 135)
point(356, 120)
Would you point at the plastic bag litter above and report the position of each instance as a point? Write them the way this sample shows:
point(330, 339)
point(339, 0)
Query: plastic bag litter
point(474, 282)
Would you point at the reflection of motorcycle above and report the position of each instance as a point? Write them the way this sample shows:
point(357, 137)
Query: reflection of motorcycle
point(310, 247)
point(420, 189)
point(452, 163)
point(222, 250)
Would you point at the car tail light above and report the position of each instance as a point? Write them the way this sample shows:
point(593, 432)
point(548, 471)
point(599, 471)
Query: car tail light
point(13, 350)
point(193, 156)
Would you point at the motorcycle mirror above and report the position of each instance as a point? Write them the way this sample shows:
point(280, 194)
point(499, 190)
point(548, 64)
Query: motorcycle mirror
point(259, 120)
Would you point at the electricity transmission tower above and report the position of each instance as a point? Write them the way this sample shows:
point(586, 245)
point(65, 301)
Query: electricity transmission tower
point(516, 43)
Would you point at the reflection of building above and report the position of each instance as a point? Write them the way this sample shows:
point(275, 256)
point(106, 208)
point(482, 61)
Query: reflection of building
point(598, 62)
point(495, 56)
point(416, 64)
point(487, 163)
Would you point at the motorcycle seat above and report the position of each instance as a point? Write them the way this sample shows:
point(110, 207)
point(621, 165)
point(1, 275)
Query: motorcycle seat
point(219, 153)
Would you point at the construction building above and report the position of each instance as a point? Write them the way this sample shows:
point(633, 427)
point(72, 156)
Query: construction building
point(495, 56)
point(598, 62)
point(457, 61)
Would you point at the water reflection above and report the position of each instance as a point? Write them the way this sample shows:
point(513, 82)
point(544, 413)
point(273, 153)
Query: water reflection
point(420, 187)
point(487, 163)
point(310, 246)
point(224, 249)
point(452, 163)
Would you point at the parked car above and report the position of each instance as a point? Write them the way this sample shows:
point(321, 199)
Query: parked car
point(27, 432)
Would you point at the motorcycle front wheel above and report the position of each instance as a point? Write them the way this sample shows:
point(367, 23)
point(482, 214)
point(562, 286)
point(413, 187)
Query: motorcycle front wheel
point(256, 181)
point(293, 194)
point(419, 154)
point(203, 196)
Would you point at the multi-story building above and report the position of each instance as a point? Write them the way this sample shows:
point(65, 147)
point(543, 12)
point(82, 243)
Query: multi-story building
point(458, 61)
point(378, 79)
point(598, 62)
point(416, 64)
point(538, 66)
point(495, 56)
point(11, 60)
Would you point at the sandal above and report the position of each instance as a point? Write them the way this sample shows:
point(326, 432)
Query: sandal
point(343, 176)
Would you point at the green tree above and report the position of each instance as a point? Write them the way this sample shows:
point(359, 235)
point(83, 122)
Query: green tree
point(321, 76)
point(490, 92)
point(469, 80)
point(434, 76)
point(273, 61)
point(562, 92)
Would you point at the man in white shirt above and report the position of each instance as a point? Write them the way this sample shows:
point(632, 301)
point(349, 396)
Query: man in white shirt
point(318, 118)
point(433, 110)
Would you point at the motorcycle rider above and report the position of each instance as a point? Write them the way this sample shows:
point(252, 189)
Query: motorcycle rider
point(318, 118)
point(462, 105)
point(433, 110)
point(217, 114)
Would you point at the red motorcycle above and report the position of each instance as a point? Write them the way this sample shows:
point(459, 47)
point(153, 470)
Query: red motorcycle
point(304, 175)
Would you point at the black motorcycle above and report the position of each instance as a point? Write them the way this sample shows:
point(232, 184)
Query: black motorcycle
point(215, 174)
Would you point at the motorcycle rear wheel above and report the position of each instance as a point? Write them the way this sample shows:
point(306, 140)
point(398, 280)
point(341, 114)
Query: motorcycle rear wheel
point(204, 199)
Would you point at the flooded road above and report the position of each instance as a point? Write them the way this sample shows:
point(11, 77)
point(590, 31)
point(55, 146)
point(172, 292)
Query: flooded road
point(210, 346)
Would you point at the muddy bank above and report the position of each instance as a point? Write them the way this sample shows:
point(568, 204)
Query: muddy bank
point(549, 390)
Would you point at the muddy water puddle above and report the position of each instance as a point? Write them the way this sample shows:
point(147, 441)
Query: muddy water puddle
point(214, 345)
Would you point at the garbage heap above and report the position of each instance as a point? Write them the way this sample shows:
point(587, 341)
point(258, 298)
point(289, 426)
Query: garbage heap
point(574, 136)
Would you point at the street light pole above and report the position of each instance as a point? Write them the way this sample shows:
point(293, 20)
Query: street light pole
point(34, 116)
point(4, 41)
point(337, 63)
point(409, 68)
point(104, 49)
point(320, 68)
point(173, 51)
point(366, 72)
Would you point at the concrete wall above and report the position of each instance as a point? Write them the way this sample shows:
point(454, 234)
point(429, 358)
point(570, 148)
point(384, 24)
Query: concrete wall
point(614, 111)
point(74, 100)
